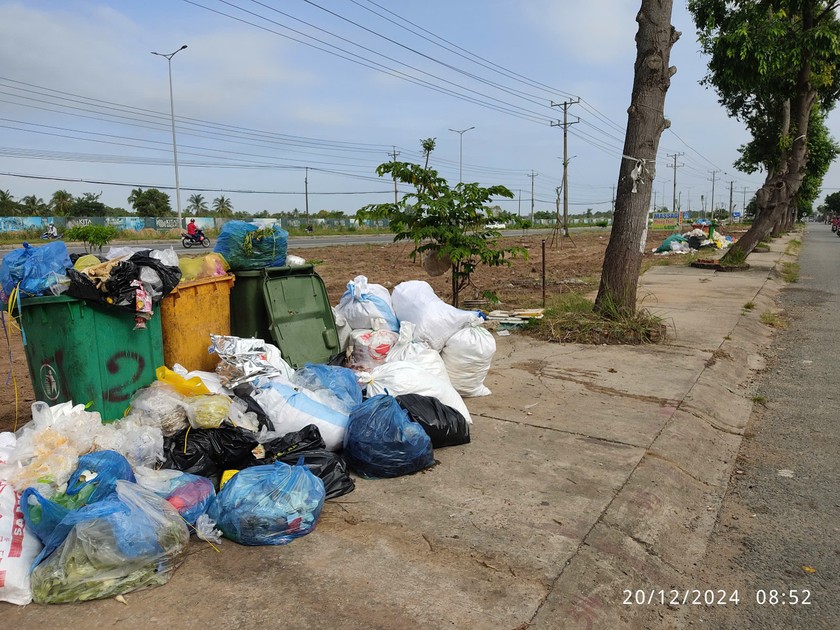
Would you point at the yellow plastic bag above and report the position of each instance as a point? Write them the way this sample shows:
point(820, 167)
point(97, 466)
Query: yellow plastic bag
point(83, 262)
point(208, 412)
point(226, 476)
point(187, 386)
point(197, 267)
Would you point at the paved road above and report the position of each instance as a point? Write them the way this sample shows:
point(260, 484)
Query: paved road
point(295, 242)
point(781, 511)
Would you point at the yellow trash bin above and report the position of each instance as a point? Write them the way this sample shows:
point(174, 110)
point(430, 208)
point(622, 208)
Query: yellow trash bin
point(189, 315)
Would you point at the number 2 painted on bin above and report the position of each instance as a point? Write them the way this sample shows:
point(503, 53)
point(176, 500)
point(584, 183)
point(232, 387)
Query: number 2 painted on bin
point(117, 393)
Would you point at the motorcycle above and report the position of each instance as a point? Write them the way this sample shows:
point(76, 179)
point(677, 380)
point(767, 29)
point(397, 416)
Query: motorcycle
point(48, 237)
point(198, 238)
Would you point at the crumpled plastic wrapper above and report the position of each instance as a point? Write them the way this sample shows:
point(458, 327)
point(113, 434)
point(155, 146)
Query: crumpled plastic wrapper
point(243, 360)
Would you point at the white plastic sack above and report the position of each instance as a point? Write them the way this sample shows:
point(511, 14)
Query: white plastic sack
point(18, 545)
point(344, 329)
point(401, 377)
point(467, 356)
point(415, 301)
point(295, 261)
point(371, 347)
point(410, 348)
point(291, 408)
point(363, 302)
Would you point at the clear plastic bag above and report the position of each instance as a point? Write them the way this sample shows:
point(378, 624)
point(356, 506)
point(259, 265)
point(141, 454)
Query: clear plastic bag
point(190, 494)
point(161, 406)
point(133, 540)
point(269, 505)
point(208, 412)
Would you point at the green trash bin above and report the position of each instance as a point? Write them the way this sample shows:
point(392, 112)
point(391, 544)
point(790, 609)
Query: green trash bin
point(286, 306)
point(83, 352)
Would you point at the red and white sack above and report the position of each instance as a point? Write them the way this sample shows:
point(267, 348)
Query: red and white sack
point(415, 301)
point(18, 545)
point(402, 377)
point(410, 348)
point(370, 347)
point(467, 356)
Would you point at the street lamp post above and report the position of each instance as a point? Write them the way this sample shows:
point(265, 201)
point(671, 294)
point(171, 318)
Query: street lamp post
point(174, 145)
point(461, 151)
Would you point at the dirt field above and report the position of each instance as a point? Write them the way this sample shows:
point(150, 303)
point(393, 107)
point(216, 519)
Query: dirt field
point(571, 265)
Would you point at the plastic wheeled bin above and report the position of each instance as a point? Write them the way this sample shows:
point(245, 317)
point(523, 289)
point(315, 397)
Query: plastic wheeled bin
point(86, 353)
point(189, 315)
point(286, 306)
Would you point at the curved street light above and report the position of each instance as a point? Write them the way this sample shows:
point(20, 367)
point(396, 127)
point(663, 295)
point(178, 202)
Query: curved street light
point(168, 58)
point(461, 152)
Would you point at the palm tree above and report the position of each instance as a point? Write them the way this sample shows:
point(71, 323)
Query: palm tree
point(222, 206)
point(196, 204)
point(8, 207)
point(136, 197)
point(33, 205)
point(60, 202)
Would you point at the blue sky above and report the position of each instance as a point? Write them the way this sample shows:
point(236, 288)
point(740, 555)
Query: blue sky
point(81, 97)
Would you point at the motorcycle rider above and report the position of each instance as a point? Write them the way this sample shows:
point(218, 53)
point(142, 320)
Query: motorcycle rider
point(193, 232)
point(51, 232)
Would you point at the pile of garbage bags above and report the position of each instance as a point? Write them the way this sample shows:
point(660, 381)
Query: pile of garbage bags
point(249, 452)
point(693, 241)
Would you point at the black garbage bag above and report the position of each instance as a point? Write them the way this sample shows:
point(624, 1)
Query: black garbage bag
point(307, 439)
point(329, 467)
point(169, 276)
point(243, 391)
point(209, 452)
point(443, 424)
point(116, 291)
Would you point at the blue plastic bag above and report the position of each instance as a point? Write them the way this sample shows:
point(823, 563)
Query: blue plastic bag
point(381, 440)
point(33, 268)
point(132, 539)
point(269, 505)
point(100, 469)
point(190, 494)
point(244, 250)
point(340, 382)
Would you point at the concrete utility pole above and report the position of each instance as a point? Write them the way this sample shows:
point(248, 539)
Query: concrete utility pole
point(461, 133)
point(712, 204)
point(532, 175)
point(731, 183)
point(394, 153)
point(306, 193)
point(565, 124)
point(744, 206)
point(674, 200)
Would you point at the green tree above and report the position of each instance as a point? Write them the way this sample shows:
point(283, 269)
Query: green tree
point(8, 206)
point(33, 205)
point(88, 205)
point(196, 204)
point(770, 61)
point(150, 203)
point(61, 202)
point(832, 203)
point(447, 222)
point(223, 206)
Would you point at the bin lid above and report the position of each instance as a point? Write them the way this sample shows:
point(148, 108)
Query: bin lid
point(300, 316)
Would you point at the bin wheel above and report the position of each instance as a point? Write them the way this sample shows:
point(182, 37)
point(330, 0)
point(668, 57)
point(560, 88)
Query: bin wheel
point(186, 242)
point(206, 242)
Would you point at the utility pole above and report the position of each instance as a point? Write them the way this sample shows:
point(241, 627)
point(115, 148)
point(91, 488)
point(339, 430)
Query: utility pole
point(712, 203)
point(306, 194)
point(744, 205)
point(519, 208)
point(532, 175)
point(674, 200)
point(731, 183)
point(394, 153)
point(565, 124)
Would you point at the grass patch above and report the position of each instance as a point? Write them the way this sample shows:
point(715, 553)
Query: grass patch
point(774, 320)
point(790, 272)
point(760, 400)
point(793, 247)
point(570, 319)
point(749, 306)
point(735, 257)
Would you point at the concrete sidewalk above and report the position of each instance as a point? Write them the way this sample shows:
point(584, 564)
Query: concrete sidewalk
point(592, 469)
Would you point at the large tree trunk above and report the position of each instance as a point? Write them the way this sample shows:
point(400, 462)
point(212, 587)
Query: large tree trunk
point(645, 124)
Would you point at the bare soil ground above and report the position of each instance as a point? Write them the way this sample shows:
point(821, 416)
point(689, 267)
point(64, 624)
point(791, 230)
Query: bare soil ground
point(571, 265)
